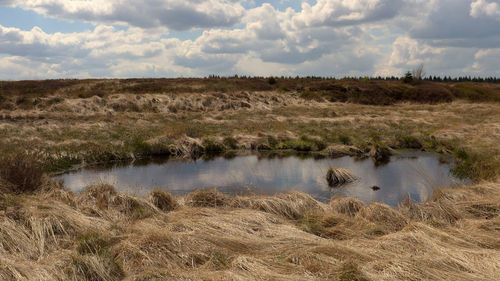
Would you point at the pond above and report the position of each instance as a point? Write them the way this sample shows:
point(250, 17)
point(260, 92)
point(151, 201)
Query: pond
point(408, 173)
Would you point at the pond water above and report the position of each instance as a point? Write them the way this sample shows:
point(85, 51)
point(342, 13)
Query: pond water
point(408, 173)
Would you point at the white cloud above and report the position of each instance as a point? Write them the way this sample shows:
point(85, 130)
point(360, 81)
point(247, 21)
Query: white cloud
point(172, 14)
point(346, 12)
point(480, 8)
point(335, 37)
point(449, 23)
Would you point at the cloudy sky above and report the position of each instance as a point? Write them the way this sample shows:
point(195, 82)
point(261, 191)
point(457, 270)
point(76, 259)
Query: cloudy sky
point(191, 38)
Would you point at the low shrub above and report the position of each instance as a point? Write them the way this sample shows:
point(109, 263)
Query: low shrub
point(23, 172)
point(406, 141)
point(346, 140)
point(428, 93)
point(230, 142)
point(272, 141)
point(476, 165)
point(212, 147)
point(24, 102)
point(474, 92)
point(297, 145)
point(318, 144)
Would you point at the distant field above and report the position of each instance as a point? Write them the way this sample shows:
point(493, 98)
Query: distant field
point(343, 90)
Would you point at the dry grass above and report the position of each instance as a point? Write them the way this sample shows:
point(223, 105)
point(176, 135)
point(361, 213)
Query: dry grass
point(163, 200)
point(346, 206)
point(287, 236)
point(48, 233)
point(339, 176)
point(291, 205)
point(207, 198)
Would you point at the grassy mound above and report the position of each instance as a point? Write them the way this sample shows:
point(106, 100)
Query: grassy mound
point(381, 214)
point(346, 206)
point(207, 198)
point(163, 200)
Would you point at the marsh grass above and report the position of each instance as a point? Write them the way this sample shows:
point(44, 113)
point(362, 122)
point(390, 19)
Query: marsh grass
point(53, 234)
point(250, 236)
point(163, 200)
point(22, 172)
point(338, 177)
point(207, 198)
point(475, 165)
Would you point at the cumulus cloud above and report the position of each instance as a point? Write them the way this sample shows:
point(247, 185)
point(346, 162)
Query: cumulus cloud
point(346, 12)
point(173, 14)
point(271, 35)
point(450, 23)
point(329, 37)
point(407, 53)
point(480, 8)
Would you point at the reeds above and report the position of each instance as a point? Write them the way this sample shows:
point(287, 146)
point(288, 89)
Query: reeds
point(338, 177)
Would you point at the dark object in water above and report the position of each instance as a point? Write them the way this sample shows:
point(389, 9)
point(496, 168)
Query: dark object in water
point(380, 155)
point(375, 187)
point(338, 176)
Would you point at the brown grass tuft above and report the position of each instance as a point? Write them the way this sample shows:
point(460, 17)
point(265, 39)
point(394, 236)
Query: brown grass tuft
point(349, 271)
point(379, 154)
point(100, 194)
point(95, 267)
point(338, 176)
point(291, 205)
point(346, 206)
point(207, 198)
point(163, 200)
point(136, 208)
point(383, 215)
point(434, 212)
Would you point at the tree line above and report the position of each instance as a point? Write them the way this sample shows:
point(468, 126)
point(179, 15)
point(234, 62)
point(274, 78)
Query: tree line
point(434, 78)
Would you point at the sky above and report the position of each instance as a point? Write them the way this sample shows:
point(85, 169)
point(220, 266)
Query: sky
point(45, 39)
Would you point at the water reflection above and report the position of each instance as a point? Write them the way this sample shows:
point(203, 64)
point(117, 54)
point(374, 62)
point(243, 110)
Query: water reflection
point(411, 173)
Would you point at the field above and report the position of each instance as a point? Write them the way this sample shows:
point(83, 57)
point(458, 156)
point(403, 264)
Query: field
point(49, 233)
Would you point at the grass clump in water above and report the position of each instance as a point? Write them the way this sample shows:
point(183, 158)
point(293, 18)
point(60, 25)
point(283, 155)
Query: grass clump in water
point(338, 176)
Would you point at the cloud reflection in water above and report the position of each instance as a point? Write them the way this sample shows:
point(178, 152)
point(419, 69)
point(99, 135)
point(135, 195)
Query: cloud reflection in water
point(411, 173)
